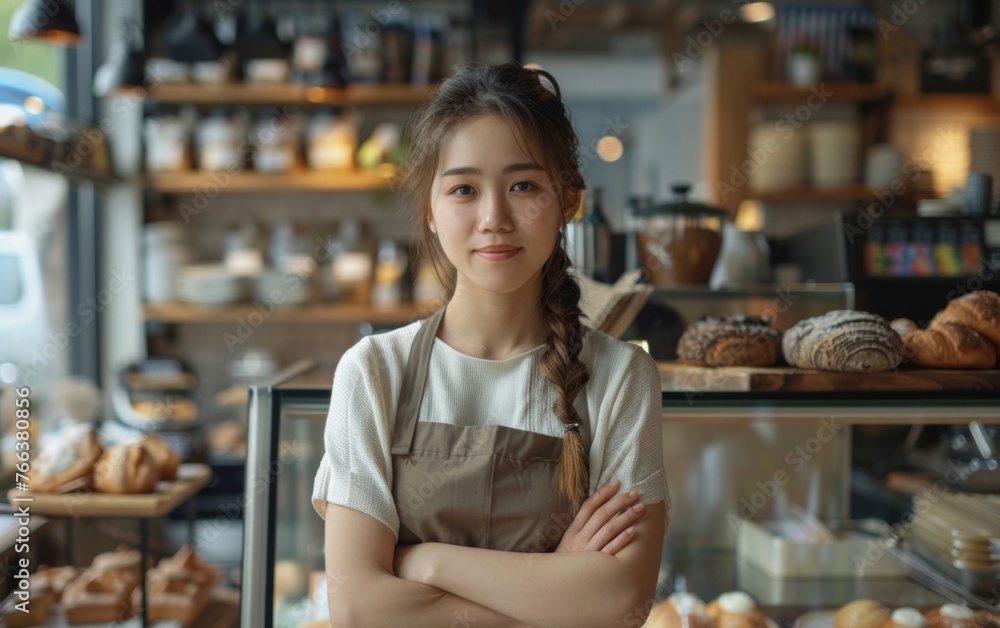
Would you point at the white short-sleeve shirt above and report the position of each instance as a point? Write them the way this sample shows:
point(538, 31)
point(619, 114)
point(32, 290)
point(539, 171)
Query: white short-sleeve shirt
point(621, 403)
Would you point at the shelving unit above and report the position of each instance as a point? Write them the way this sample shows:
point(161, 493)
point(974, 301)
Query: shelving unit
point(278, 93)
point(310, 313)
point(818, 195)
point(249, 181)
point(773, 91)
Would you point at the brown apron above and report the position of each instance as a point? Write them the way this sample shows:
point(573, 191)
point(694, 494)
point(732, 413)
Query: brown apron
point(487, 486)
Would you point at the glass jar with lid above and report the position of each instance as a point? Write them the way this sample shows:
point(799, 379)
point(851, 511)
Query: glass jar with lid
point(678, 241)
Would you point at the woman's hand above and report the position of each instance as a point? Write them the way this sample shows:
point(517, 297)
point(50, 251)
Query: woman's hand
point(601, 524)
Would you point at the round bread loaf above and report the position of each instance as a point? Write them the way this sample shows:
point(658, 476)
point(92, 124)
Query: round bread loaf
point(730, 341)
point(843, 340)
point(861, 614)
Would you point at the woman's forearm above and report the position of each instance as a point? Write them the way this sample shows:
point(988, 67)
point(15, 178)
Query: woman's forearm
point(385, 600)
point(560, 589)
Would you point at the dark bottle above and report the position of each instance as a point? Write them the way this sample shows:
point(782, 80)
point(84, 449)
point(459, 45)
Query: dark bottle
point(601, 233)
point(335, 72)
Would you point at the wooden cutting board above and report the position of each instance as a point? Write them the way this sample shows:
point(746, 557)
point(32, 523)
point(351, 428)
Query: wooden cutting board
point(684, 377)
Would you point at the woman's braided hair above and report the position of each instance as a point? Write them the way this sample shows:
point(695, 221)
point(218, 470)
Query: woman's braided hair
point(537, 114)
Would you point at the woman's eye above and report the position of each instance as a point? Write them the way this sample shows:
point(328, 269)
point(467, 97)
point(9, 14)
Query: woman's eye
point(523, 186)
point(462, 190)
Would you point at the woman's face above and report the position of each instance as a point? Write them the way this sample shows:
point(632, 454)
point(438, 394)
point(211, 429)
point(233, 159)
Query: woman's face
point(488, 191)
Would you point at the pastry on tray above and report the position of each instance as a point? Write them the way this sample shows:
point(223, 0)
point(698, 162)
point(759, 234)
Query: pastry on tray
point(38, 606)
point(947, 345)
point(98, 596)
point(65, 457)
point(680, 610)
point(979, 310)
point(861, 614)
point(736, 609)
point(55, 578)
point(123, 560)
point(844, 341)
point(163, 456)
point(179, 587)
point(126, 469)
point(906, 617)
point(730, 341)
point(952, 616)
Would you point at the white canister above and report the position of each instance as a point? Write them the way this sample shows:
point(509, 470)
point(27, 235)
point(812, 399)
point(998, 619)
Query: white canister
point(775, 158)
point(834, 148)
point(161, 270)
point(883, 166)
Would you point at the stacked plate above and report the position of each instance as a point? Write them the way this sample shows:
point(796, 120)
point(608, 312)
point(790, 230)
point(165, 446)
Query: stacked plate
point(959, 533)
point(283, 288)
point(984, 153)
point(834, 146)
point(210, 285)
point(782, 166)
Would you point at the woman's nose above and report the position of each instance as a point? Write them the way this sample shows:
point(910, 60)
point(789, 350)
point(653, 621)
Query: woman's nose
point(494, 213)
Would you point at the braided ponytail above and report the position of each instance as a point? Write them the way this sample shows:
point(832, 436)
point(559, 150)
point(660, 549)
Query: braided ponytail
point(562, 366)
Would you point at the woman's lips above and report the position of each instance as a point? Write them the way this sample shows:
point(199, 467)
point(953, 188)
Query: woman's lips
point(497, 256)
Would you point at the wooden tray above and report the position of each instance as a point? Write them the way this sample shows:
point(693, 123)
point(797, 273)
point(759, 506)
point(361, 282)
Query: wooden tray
point(685, 377)
point(191, 478)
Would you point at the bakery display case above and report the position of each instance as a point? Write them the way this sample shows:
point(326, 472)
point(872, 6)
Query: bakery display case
point(720, 449)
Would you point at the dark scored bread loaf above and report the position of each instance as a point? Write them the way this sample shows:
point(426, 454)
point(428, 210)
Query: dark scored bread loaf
point(730, 341)
point(843, 340)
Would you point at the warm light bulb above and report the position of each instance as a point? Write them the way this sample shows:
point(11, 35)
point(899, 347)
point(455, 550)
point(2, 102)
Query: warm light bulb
point(757, 12)
point(610, 148)
point(749, 216)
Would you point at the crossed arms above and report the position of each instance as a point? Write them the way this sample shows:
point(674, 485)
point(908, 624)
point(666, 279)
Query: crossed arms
point(371, 582)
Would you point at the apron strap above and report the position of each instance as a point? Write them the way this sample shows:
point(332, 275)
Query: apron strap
point(412, 391)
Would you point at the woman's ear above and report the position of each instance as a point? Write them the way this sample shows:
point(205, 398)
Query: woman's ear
point(430, 223)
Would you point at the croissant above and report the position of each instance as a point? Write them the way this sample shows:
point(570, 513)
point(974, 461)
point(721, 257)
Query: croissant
point(949, 345)
point(979, 310)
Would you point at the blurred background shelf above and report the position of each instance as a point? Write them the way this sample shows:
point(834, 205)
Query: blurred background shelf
point(775, 91)
point(313, 313)
point(284, 93)
point(812, 194)
point(249, 181)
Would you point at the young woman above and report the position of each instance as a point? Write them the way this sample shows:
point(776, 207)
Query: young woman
point(499, 463)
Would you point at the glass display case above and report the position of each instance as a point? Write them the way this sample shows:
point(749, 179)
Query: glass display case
point(283, 580)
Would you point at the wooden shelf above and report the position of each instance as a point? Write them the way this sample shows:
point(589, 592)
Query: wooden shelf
point(280, 93)
point(838, 92)
point(811, 194)
point(191, 478)
point(249, 181)
point(310, 313)
point(948, 101)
